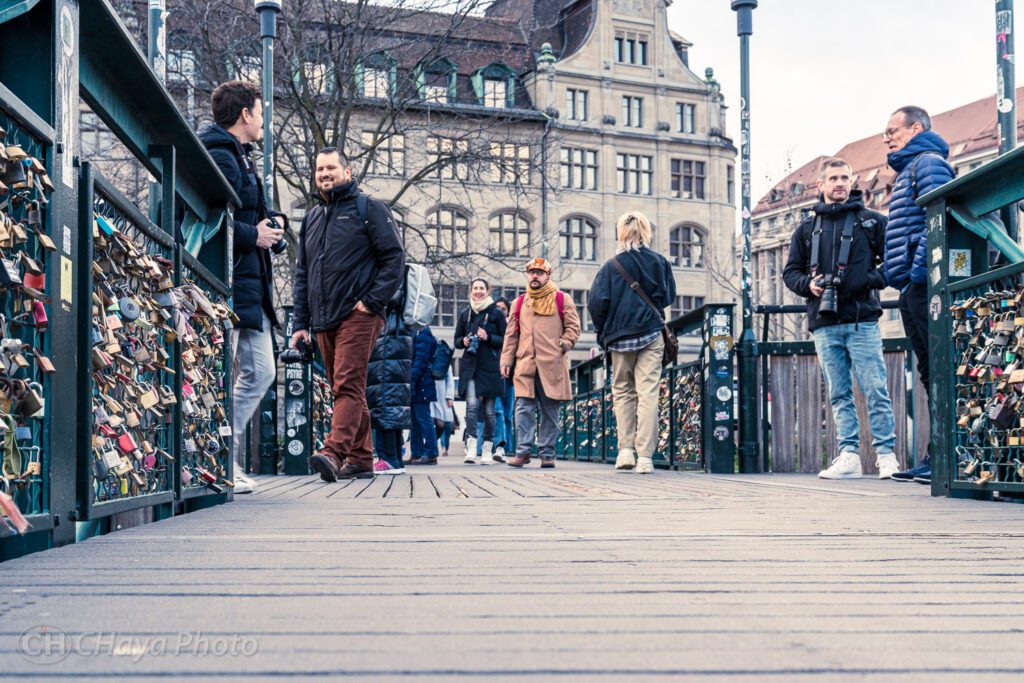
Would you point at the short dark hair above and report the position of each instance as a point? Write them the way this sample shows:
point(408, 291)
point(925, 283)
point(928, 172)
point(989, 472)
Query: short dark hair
point(335, 150)
point(501, 300)
point(912, 115)
point(832, 162)
point(230, 98)
point(480, 279)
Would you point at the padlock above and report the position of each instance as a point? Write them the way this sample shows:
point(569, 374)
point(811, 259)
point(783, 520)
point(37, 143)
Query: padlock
point(186, 476)
point(39, 315)
point(224, 430)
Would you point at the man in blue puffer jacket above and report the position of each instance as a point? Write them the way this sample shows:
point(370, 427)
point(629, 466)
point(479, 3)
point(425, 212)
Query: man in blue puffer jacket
point(918, 155)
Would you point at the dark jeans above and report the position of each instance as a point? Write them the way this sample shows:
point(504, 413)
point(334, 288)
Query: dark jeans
point(914, 311)
point(474, 406)
point(444, 432)
point(422, 442)
point(389, 446)
point(346, 351)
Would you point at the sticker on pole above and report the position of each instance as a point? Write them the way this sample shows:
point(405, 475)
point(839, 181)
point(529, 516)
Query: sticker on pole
point(935, 307)
point(723, 393)
point(721, 433)
point(959, 262)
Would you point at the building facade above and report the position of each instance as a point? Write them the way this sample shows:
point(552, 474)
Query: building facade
point(971, 132)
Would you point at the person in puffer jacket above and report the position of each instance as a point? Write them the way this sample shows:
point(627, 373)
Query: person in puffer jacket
point(918, 155)
point(388, 387)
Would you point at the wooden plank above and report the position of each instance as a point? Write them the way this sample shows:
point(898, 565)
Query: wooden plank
point(922, 419)
point(783, 417)
point(809, 418)
point(897, 394)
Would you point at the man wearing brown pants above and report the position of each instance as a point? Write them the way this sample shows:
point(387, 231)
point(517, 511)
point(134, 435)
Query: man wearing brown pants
point(350, 263)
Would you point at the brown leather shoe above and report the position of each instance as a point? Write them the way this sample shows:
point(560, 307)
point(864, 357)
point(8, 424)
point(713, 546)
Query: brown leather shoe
point(326, 464)
point(547, 463)
point(351, 471)
point(519, 461)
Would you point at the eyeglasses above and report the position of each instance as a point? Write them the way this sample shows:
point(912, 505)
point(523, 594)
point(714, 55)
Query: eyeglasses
point(536, 271)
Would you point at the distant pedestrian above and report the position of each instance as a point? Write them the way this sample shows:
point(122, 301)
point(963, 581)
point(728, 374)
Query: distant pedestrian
point(543, 330)
point(918, 155)
point(630, 330)
point(423, 440)
point(442, 410)
point(505, 408)
point(834, 260)
point(480, 331)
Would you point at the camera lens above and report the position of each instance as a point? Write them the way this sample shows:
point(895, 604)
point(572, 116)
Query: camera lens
point(280, 247)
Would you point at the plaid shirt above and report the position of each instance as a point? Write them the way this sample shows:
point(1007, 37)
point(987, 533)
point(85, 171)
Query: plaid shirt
point(634, 343)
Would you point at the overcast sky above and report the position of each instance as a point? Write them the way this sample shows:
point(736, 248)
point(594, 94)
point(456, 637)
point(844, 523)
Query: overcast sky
point(824, 74)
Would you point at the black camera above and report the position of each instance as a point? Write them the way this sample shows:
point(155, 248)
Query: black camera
point(282, 244)
point(829, 299)
point(473, 346)
point(302, 353)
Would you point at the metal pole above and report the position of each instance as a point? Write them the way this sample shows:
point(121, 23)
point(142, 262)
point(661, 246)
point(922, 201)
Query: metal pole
point(1006, 97)
point(268, 11)
point(156, 52)
point(747, 362)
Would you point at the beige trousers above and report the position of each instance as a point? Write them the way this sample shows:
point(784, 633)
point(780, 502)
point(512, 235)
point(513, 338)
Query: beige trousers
point(635, 378)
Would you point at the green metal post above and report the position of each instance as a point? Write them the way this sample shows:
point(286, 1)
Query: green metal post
point(268, 11)
point(157, 57)
point(747, 346)
point(1006, 95)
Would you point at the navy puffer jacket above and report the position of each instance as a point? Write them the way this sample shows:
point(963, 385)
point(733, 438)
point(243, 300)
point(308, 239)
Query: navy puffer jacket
point(388, 376)
point(906, 245)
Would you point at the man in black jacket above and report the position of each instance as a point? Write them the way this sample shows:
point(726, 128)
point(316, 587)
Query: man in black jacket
point(350, 263)
point(833, 263)
point(238, 122)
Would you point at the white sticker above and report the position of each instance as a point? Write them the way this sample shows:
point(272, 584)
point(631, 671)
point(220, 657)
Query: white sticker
point(936, 276)
point(935, 307)
point(937, 255)
point(723, 393)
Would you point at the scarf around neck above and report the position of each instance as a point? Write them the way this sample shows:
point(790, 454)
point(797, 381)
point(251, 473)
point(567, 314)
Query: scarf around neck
point(482, 305)
point(544, 299)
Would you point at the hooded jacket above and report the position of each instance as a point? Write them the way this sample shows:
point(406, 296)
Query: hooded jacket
point(252, 272)
point(906, 245)
point(343, 260)
point(856, 298)
point(388, 391)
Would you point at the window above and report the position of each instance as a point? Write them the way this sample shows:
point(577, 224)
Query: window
point(576, 104)
point(388, 157)
point(579, 239)
point(376, 83)
point(448, 231)
point(730, 184)
point(316, 77)
point(687, 179)
point(510, 234)
point(579, 168)
point(450, 157)
point(495, 93)
point(631, 48)
point(510, 163)
point(684, 304)
point(632, 111)
point(450, 300)
point(686, 247)
point(580, 298)
point(686, 118)
point(635, 173)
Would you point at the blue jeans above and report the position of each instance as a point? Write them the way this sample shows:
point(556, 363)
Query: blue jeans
point(858, 347)
point(504, 421)
point(422, 440)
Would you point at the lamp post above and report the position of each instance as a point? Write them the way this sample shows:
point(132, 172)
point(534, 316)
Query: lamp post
point(747, 362)
point(156, 53)
point(1006, 95)
point(268, 11)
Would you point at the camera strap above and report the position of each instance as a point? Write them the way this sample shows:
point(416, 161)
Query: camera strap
point(846, 241)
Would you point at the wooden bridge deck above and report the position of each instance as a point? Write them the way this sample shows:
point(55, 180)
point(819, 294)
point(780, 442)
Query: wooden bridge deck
point(574, 574)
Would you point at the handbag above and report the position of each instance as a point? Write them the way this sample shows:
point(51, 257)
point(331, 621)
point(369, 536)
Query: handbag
point(671, 351)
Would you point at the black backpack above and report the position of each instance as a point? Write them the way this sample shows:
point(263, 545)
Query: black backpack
point(442, 359)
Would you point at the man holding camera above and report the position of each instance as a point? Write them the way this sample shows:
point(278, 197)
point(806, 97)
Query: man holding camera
point(350, 263)
point(238, 122)
point(833, 263)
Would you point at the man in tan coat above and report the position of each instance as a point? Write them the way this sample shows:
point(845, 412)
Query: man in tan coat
point(543, 328)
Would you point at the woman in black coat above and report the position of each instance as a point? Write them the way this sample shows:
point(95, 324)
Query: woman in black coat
point(480, 332)
point(388, 390)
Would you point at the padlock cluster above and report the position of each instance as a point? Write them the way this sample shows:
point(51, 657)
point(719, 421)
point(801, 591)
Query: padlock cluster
point(202, 320)
point(24, 366)
point(988, 335)
point(323, 410)
point(132, 338)
point(687, 407)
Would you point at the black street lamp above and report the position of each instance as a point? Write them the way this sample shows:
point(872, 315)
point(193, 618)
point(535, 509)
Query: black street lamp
point(268, 11)
point(747, 362)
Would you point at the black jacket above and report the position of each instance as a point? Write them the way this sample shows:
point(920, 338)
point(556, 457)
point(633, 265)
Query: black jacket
point(252, 273)
point(485, 365)
point(857, 301)
point(388, 391)
point(424, 347)
point(620, 313)
point(342, 261)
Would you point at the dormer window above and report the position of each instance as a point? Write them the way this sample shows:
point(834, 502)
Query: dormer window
point(436, 82)
point(376, 76)
point(494, 86)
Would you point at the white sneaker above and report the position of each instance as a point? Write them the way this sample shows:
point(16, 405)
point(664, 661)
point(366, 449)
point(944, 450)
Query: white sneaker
point(626, 460)
point(392, 470)
point(644, 466)
point(887, 465)
point(499, 454)
point(487, 458)
point(846, 466)
point(470, 458)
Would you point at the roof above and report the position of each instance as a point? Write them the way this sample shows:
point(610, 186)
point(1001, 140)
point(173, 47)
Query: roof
point(969, 130)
